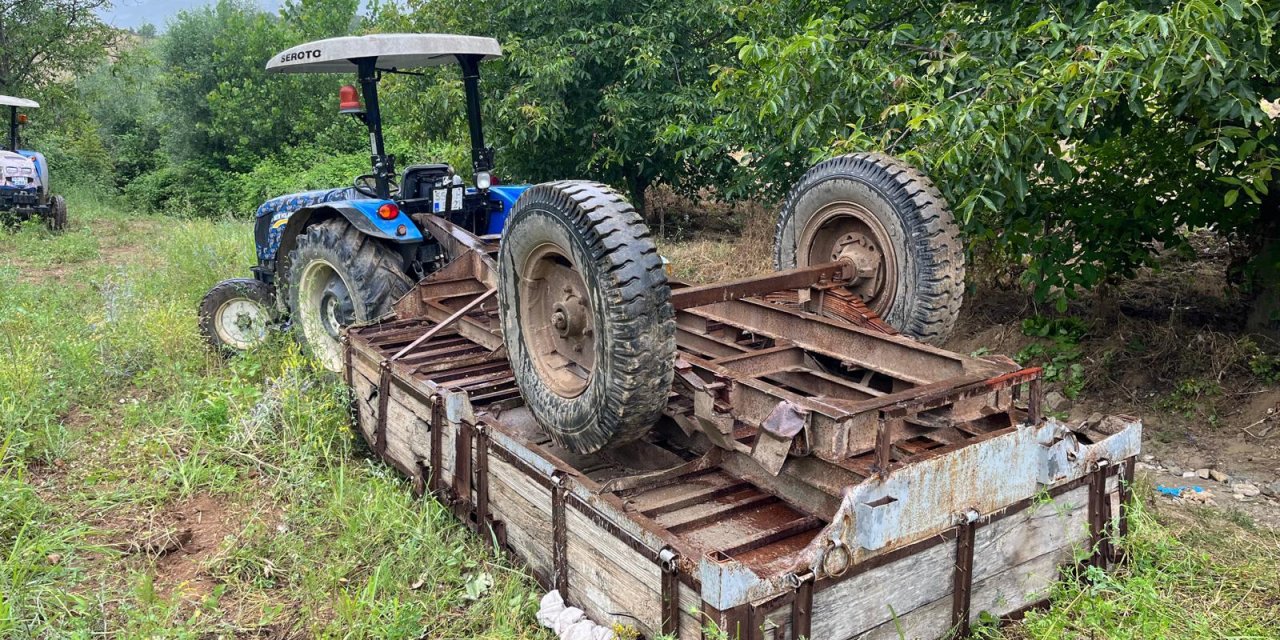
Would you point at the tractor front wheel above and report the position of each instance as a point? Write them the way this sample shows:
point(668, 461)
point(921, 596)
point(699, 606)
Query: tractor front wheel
point(236, 314)
point(339, 276)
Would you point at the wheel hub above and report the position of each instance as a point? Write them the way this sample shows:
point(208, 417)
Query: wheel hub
point(557, 314)
point(569, 315)
point(241, 323)
point(848, 231)
point(867, 259)
point(336, 308)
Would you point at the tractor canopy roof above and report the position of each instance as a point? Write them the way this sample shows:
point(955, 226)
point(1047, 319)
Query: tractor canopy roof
point(10, 101)
point(392, 50)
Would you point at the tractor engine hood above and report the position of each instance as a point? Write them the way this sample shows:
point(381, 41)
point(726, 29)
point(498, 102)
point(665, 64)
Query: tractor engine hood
point(20, 171)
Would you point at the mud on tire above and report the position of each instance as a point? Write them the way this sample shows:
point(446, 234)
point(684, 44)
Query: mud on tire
point(865, 196)
point(586, 314)
point(333, 258)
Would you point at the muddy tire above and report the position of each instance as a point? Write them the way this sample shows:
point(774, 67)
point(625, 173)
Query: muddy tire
point(57, 219)
point(894, 224)
point(586, 314)
point(339, 276)
point(237, 315)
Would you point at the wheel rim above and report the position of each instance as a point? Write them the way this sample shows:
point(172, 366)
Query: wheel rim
point(241, 323)
point(324, 308)
point(846, 230)
point(556, 320)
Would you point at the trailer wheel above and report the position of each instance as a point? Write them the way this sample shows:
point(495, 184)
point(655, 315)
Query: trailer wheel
point(339, 276)
point(895, 226)
point(57, 220)
point(237, 314)
point(586, 314)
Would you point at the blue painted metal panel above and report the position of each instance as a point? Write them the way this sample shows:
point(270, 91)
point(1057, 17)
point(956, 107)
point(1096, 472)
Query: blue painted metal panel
point(281, 209)
point(369, 207)
point(41, 167)
point(506, 195)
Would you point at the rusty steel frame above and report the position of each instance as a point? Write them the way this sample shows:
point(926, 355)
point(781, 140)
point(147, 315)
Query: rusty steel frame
point(682, 562)
point(799, 396)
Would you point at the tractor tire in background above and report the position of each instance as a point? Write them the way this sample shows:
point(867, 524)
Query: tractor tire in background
point(237, 314)
point(586, 314)
point(339, 276)
point(895, 226)
point(57, 220)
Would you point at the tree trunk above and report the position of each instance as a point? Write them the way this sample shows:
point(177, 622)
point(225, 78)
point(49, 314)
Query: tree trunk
point(1264, 269)
point(638, 184)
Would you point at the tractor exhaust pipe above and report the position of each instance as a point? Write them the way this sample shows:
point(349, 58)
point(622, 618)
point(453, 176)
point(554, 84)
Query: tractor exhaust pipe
point(13, 129)
point(481, 156)
point(383, 169)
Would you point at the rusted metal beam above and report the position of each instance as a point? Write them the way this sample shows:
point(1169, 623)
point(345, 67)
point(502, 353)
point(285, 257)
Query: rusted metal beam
point(962, 577)
point(463, 444)
point(437, 428)
point(799, 278)
point(384, 397)
point(482, 482)
point(447, 322)
point(896, 356)
point(1099, 516)
point(884, 442)
point(1126, 506)
point(802, 608)
point(559, 537)
point(668, 561)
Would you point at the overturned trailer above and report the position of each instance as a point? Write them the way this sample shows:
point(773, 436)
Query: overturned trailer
point(813, 473)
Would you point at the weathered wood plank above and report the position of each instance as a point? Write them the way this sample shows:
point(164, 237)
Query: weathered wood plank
point(894, 592)
point(606, 577)
point(525, 508)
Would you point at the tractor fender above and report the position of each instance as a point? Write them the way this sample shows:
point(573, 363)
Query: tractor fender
point(361, 214)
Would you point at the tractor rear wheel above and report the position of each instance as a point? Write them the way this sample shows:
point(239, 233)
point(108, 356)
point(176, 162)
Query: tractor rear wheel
point(237, 314)
point(339, 276)
point(893, 224)
point(586, 314)
point(57, 220)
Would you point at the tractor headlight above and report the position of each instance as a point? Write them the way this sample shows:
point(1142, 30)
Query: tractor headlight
point(12, 171)
point(483, 180)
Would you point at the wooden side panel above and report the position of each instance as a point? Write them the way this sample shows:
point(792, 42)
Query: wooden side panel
point(690, 618)
point(1015, 562)
point(404, 431)
point(606, 576)
point(524, 507)
point(867, 600)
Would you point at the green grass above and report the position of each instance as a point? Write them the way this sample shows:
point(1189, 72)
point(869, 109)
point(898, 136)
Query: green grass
point(116, 420)
point(118, 424)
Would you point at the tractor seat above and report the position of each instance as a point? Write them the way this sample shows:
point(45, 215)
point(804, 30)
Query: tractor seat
point(420, 178)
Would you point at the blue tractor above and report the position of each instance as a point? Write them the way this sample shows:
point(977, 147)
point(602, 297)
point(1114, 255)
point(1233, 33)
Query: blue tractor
point(24, 175)
point(333, 257)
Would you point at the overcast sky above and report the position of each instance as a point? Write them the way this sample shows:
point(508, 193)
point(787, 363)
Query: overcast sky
point(131, 14)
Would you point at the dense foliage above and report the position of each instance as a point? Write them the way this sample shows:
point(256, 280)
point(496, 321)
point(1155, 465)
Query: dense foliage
point(42, 41)
point(1077, 133)
point(1071, 137)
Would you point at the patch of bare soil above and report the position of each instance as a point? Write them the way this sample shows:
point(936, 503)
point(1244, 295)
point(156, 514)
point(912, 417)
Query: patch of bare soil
point(119, 243)
point(182, 538)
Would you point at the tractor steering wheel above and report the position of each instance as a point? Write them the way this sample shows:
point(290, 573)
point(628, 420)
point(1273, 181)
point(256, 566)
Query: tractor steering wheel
point(367, 186)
